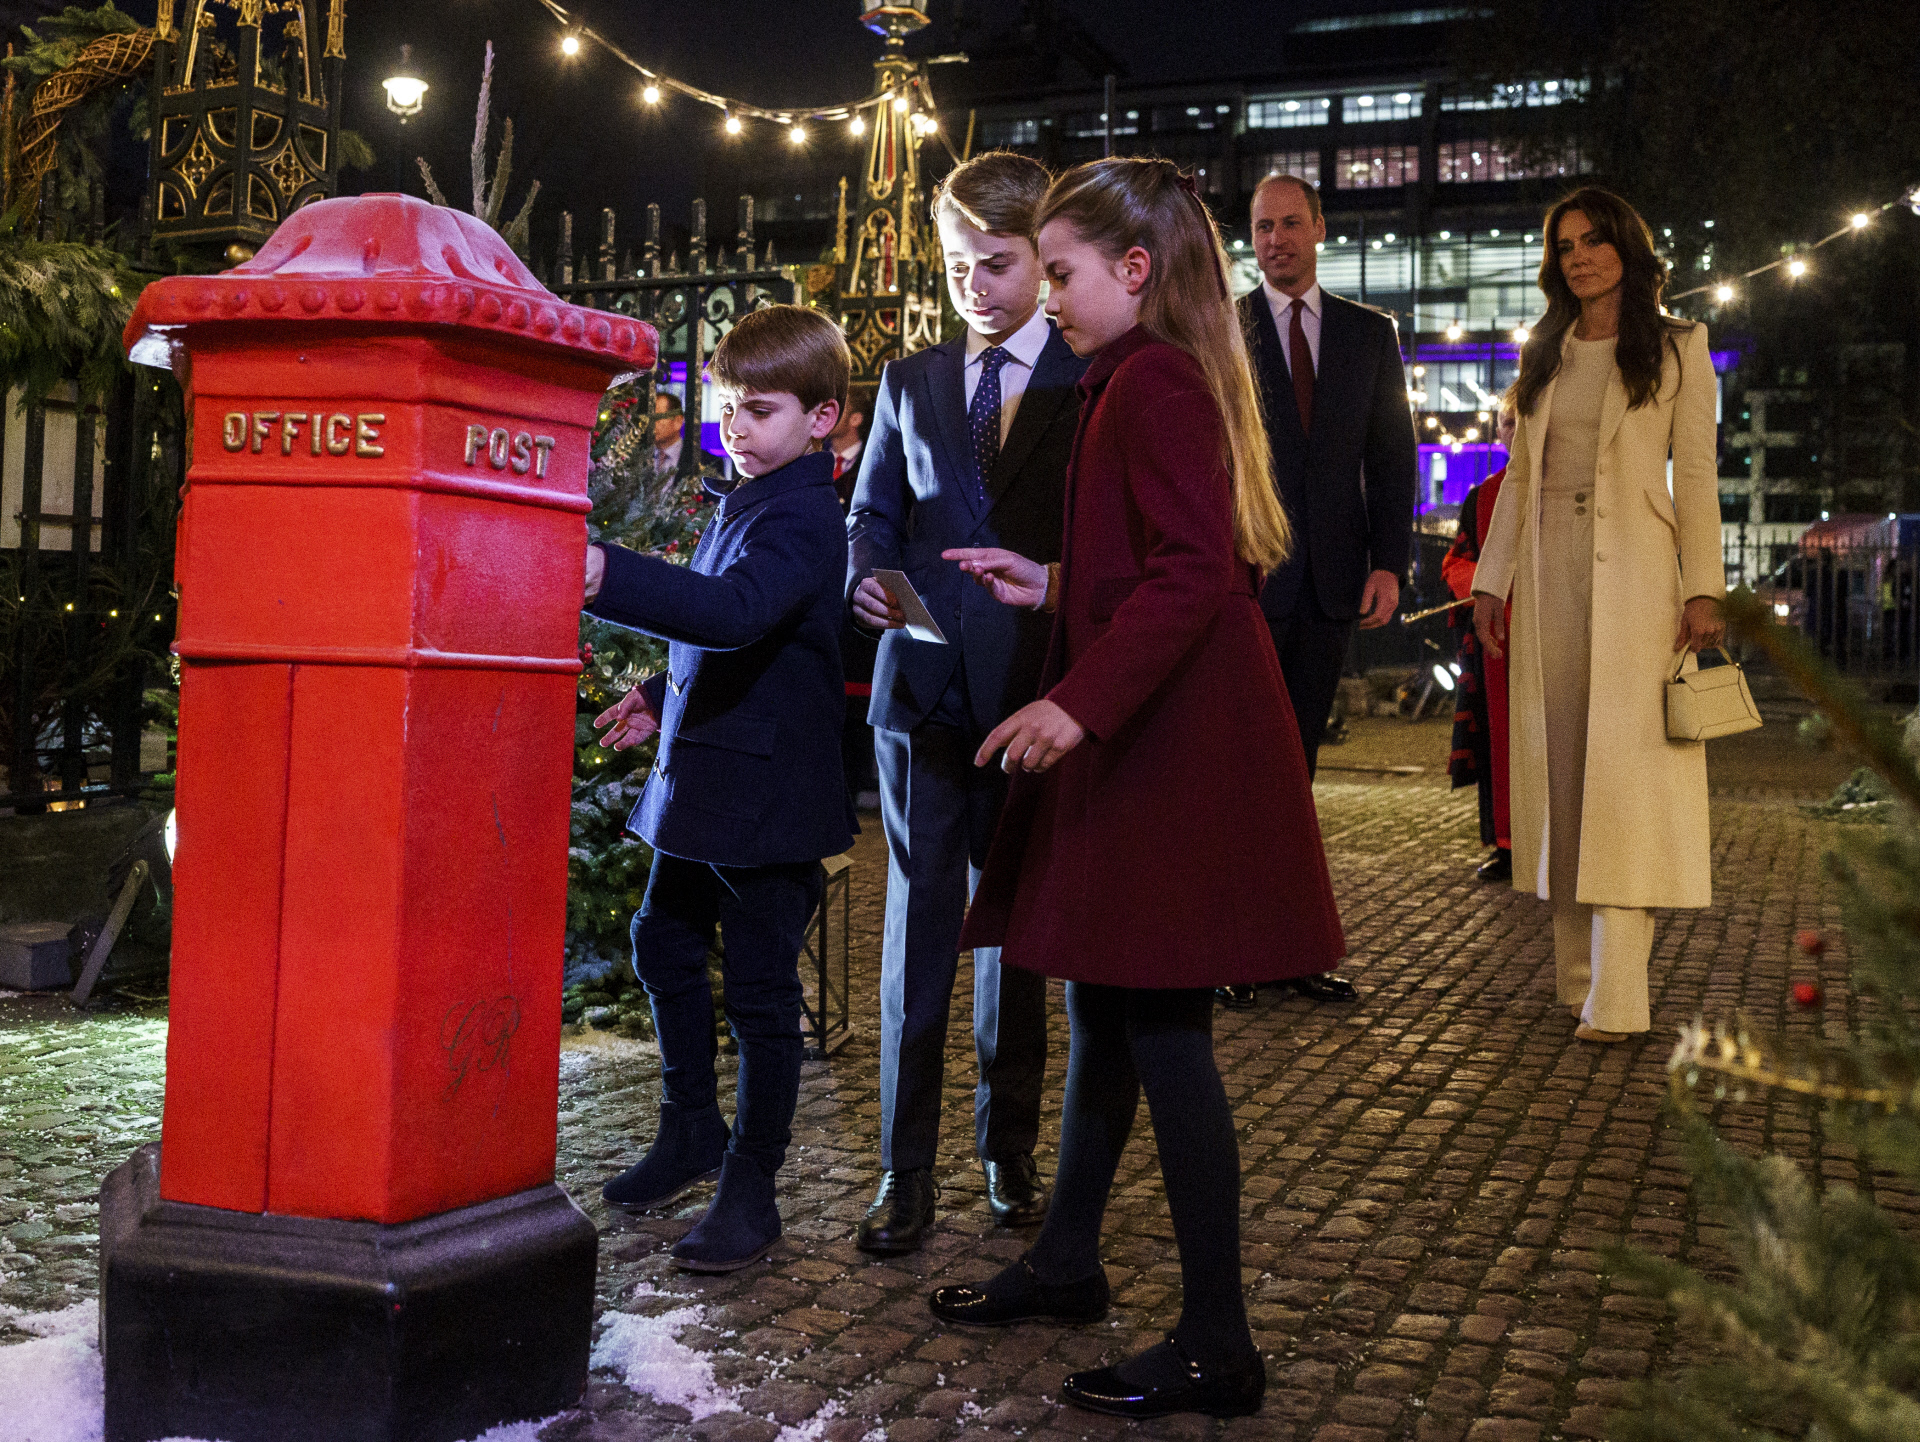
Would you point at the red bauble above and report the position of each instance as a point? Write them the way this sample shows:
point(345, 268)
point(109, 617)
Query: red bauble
point(1806, 994)
point(1811, 942)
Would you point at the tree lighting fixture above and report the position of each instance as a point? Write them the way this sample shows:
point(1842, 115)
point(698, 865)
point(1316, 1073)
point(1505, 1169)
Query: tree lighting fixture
point(406, 92)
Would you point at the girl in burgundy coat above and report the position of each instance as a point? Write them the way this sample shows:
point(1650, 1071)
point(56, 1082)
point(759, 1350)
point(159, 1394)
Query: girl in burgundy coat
point(1160, 838)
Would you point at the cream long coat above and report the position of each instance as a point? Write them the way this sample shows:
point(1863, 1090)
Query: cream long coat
point(1643, 831)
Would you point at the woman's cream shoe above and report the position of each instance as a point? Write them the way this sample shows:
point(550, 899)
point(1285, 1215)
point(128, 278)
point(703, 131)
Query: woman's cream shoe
point(1583, 1032)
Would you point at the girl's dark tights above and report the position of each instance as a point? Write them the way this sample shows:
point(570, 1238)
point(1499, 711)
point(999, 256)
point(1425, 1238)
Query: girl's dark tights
point(1125, 1041)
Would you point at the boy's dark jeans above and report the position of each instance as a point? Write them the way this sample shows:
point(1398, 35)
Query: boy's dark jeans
point(763, 913)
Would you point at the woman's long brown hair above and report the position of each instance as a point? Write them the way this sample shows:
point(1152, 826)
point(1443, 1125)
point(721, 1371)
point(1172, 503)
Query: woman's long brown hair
point(1117, 204)
point(1646, 331)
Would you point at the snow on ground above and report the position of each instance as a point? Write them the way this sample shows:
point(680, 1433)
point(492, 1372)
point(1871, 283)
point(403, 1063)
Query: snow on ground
point(55, 1388)
point(53, 1384)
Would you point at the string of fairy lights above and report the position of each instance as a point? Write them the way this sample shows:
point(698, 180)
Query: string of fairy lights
point(913, 98)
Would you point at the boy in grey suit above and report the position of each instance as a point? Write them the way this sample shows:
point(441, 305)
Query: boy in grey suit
point(969, 447)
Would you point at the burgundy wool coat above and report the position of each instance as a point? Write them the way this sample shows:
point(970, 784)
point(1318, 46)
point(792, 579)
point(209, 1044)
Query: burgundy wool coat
point(1177, 845)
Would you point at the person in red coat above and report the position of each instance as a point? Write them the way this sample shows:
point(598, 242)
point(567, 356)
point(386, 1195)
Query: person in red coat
point(1480, 718)
point(1160, 837)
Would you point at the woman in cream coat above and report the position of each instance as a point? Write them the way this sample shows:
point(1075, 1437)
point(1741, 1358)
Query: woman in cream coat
point(1611, 574)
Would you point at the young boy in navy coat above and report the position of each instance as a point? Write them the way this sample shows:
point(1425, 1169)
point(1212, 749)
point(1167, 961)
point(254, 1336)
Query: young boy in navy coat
point(746, 794)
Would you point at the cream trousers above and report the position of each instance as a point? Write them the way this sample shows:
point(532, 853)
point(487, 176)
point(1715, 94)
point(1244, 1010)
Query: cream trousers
point(1600, 953)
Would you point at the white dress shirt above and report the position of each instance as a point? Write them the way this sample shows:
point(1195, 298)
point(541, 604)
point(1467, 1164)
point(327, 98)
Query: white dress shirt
point(1280, 303)
point(1023, 353)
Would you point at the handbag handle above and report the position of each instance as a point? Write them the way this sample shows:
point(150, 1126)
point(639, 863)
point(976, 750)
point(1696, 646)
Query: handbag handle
point(1688, 654)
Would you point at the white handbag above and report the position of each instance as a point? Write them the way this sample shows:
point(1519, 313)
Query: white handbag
point(1703, 704)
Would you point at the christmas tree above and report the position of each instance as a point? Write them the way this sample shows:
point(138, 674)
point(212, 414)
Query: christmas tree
point(1818, 1335)
point(606, 865)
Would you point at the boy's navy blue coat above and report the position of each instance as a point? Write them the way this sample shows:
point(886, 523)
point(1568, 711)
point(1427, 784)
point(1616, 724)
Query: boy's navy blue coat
point(916, 499)
point(748, 771)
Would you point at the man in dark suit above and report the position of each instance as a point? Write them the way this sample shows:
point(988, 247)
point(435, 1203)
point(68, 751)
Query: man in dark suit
point(1344, 459)
point(968, 447)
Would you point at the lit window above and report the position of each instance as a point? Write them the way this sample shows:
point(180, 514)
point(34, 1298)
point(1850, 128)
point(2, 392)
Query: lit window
point(1273, 114)
point(1376, 166)
point(1520, 94)
point(1464, 161)
point(1009, 132)
point(1402, 106)
point(1302, 163)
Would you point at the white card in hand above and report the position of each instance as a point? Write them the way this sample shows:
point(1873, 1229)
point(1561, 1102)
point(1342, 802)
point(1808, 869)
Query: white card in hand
point(920, 622)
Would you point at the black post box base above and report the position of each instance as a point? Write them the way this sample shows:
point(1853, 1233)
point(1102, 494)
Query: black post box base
point(262, 1328)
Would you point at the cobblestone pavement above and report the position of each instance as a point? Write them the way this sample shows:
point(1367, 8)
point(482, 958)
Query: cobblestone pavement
point(1431, 1175)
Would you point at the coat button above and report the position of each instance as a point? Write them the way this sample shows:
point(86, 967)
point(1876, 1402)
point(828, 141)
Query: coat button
point(1579, 510)
point(1579, 495)
point(1599, 555)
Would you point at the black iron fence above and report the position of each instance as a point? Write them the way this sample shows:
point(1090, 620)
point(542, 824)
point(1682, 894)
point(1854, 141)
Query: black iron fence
point(87, 500)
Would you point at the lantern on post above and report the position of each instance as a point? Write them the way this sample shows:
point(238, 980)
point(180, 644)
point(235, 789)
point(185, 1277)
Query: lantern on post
point(406, 92)
point(887, 272)
point(245, 130)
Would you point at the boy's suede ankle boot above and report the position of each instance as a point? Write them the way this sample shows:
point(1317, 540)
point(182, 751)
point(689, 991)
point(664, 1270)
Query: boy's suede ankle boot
point(740, 1226)
point(686, 1151)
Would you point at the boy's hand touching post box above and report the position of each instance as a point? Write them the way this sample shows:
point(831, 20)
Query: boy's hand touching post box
point(628, 721)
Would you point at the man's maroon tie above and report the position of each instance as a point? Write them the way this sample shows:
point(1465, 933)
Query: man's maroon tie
point(1300, 354)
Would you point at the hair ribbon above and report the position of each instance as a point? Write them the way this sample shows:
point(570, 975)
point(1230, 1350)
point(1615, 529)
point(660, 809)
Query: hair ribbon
point(1192, 188)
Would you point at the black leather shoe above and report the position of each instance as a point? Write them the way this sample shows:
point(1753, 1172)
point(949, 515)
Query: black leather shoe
point(902, 1211)
point(1324, 987)
point(1234, 998)
point(1211, 1391)
point(1016, 1295)
point(1497, 867)
point(1014, 1194)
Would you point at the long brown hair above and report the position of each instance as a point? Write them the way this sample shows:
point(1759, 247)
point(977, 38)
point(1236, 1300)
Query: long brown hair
point(1646, 331)
point(1114, 205)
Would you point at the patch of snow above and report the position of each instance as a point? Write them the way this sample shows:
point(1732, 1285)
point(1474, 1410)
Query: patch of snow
point(53, 1385)
point(646, 1353)
point(814, 1429)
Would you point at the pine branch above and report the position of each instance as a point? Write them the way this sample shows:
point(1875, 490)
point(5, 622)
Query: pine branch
point(1810, 1068)
point(433, 188)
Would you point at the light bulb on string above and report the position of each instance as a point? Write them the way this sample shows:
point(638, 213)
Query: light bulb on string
point(1723, 293)
point(733, 125)
point(797, 134)
point(1521, 334)
point(1454, 332)
point(570, 45)
point(1796, 267)
point(857, 126)
point(1861, 220)
point(900, 101)
point(651, 95)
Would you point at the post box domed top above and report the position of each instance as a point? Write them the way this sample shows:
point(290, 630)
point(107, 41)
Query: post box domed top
point(387, 260)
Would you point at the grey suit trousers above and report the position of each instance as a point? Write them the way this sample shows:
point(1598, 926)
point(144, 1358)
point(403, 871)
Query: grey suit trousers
point(939, 812)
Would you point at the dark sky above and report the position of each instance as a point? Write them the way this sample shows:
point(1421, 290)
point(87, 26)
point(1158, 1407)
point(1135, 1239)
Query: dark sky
point(580, 127)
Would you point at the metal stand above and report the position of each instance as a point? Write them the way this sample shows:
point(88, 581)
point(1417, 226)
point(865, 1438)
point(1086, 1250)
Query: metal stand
point(103, 945)
point(827, 1031)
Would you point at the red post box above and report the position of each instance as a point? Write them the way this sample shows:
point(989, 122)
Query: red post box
point(350, 1228)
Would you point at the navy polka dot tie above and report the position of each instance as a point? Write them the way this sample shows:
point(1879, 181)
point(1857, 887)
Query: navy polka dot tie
point(983, 417)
